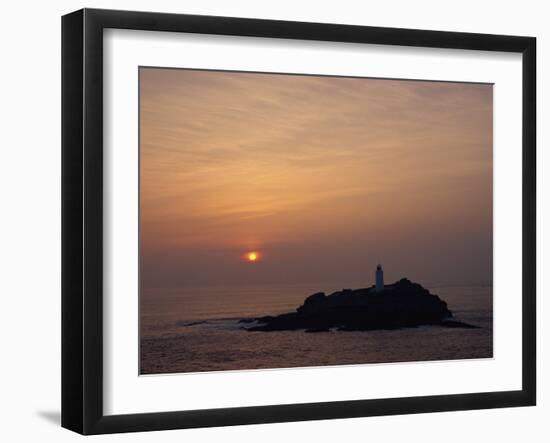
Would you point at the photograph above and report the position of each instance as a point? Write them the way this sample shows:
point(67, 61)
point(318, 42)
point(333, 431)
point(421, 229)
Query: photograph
point(294, 220)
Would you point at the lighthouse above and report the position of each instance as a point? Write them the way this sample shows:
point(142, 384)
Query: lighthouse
point(379, 278)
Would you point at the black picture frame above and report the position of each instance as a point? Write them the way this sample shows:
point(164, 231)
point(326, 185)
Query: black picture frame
point(82, 219)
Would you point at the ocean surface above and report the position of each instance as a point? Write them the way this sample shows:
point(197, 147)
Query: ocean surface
point(197, 330)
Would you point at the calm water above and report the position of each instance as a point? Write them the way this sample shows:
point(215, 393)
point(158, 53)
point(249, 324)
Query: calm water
point(197, 329)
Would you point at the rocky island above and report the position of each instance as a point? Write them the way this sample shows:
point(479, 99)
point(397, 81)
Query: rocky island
point(398, 305)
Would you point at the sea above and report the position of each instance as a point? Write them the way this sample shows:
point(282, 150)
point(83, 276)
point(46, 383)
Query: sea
point(198, 330)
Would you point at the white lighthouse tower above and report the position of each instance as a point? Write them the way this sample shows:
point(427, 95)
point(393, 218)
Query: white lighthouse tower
point(379, 278)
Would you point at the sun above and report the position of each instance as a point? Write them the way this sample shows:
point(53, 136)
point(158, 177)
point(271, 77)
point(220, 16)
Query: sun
point(252, 256)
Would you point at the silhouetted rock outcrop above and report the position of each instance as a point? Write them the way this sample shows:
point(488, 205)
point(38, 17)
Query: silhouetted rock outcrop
point(402, 304)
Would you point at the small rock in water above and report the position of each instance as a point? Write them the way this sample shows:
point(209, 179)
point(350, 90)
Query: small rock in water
point(457, 324)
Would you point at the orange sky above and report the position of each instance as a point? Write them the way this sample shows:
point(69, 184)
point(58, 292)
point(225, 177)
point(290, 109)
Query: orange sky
point(326, 176)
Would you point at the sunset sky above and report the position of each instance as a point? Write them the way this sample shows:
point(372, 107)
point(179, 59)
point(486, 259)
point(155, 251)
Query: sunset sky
point(324, 177)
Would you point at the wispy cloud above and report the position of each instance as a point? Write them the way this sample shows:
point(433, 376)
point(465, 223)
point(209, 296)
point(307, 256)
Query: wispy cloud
point(229, 159)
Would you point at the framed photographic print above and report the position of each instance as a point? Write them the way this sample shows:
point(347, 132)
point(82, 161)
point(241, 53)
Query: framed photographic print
point(269, 221)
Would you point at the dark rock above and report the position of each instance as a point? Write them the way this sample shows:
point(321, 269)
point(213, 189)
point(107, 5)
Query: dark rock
point(265, 319)
point(457, 324)
point(399, 305)
point(193, 323)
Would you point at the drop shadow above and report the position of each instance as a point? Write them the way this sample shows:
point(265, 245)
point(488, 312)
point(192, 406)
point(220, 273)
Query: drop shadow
point(53, 417)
